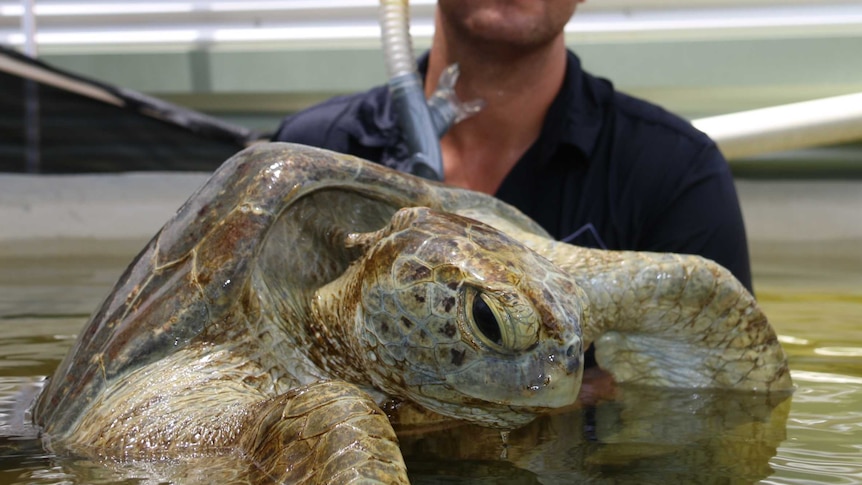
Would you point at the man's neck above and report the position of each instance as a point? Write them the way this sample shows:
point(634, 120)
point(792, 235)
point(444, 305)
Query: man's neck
point(518, 88)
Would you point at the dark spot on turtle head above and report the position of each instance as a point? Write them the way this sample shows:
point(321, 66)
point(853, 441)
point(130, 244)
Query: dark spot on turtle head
point(384, 327)
point(453, 285)
point(458, 357)
point(422, 334)
point(449, 330)
point(407, 323)
point(419, 298)
point(448, 303)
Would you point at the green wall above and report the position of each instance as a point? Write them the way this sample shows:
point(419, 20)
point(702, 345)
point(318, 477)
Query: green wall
point(694, 77)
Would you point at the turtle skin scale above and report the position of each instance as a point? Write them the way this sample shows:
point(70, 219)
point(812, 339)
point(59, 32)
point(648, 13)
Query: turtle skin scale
point(299, 290)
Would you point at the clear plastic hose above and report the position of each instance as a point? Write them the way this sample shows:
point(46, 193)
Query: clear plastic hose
point(408, 93)
point(421, 121)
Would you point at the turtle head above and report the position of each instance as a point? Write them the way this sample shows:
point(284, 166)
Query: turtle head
point(466, 321)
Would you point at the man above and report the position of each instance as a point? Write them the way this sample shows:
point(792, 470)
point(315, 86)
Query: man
point(593, 166)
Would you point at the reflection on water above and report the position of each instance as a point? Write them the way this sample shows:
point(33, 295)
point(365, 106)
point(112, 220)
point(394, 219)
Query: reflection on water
point(642, 436)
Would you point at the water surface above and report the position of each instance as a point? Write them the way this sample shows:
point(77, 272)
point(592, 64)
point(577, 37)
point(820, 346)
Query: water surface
point(812, 295)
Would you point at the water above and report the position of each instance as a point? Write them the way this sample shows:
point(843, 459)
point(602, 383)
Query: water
point(812, 294)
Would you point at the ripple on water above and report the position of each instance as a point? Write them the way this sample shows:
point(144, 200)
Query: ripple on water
point(34, 345)
point(823, 432)
point(806, 466)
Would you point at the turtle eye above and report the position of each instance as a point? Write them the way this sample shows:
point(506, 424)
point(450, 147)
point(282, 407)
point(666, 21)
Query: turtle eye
point(485, 320)
point(506, 328)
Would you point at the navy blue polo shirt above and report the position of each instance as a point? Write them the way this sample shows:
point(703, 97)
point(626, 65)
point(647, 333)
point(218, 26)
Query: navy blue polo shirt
point(607, 171)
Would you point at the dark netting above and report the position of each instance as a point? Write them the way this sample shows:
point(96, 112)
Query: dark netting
point(55, 122)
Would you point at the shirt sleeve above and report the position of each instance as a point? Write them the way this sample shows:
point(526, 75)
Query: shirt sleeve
point(316, 126)
point(353, 124)
point(701, 215)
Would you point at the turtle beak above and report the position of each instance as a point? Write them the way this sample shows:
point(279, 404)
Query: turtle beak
point(549, 378)
point(559, 385)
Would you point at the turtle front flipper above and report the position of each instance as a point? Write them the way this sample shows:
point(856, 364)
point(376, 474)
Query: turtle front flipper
point(220, 405)
point(687, 320)
point(677, 321)
point(327, 432)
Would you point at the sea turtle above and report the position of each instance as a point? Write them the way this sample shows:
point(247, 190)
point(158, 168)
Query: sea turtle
point(299, 290)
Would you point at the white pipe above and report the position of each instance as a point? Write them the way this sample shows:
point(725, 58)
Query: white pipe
point(788, 127)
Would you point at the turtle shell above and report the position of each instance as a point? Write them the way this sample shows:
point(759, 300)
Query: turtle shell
point(284, 206)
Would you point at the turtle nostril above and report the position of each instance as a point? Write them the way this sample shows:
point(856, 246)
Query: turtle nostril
point(574, 357)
